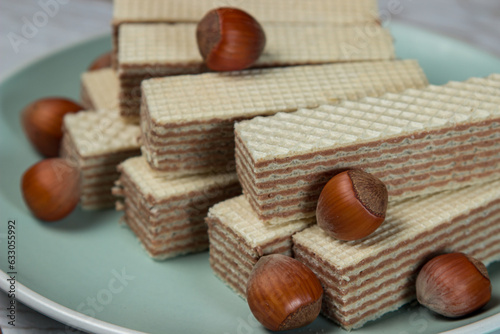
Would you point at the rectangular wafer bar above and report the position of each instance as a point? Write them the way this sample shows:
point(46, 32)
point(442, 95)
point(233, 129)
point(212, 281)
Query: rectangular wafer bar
point(238, 239)
point(158, 50)
point(99, 90)
point(417, 142)
point(367, 278)
point(97, 142)
point(187, 121)
point(167, 214)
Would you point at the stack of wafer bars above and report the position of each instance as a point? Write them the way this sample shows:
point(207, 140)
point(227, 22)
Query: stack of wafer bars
point(99, 139)
point(187, 121)
point(195, 132)
point(167, 214)
point(443, 139)
point(238, 238)
point(364, 279)
point(155, 38)
point(159, 50)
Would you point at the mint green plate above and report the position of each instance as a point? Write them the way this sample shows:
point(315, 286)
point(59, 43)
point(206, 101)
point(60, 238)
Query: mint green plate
point(91, 273)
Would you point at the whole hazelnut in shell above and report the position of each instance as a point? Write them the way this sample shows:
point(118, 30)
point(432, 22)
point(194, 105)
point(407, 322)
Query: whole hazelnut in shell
point(453, 285)
point(283, 293)
point(352, 205)
point(51, 188)
point(229, 39)
point(42, 122)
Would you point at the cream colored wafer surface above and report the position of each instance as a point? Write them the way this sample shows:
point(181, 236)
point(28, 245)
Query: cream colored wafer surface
point(286, 44)
point(160, 186)
point(237, 215)
point(101, 87)
point(333, 11)
point(102, 132)
point(370, 119)
point(404, 222)
point(494, 77)
point(216, 96)
point(149, 44)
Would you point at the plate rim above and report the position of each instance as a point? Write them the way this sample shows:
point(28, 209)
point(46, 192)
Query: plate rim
point(83, 322)
point(61, 313)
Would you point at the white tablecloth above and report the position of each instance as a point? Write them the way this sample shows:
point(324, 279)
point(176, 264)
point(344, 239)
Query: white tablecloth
point(474, 21)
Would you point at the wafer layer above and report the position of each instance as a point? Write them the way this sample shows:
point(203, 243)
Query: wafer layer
point(367, 278)
point(167, 214)
point(417, 142)
point(99, 90)
point(173, 45)
point(157, 50)
point(175, 121)
point(324, 11)
point(97, 142)
point(238, 239)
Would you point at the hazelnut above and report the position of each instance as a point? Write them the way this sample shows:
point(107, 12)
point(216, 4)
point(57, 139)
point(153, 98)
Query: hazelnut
point(229, 39)
point(453, 285)
point(42, 123)
point(283, 293)
point(352, 205)
point(103, 61)
point(51, 188)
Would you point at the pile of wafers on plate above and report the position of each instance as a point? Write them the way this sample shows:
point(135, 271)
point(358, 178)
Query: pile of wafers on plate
point(235, 162)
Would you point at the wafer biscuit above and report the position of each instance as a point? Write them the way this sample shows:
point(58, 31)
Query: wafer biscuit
point(158, 50)
point(238, 239)
point(417, 142)
point(178, 113)
point(97, 142)
point(99, 90)
point(167, 214)
point(367, 278)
